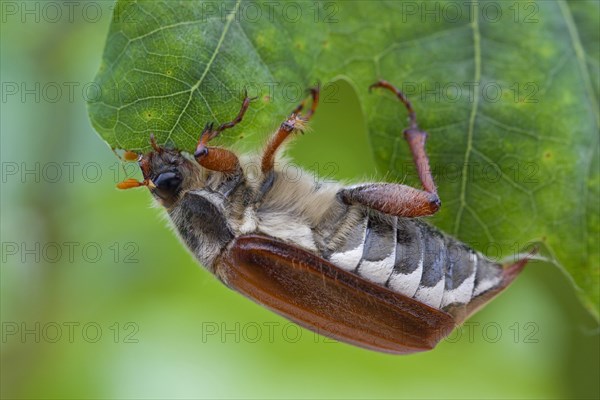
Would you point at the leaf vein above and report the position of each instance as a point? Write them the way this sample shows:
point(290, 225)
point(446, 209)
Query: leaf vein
point(230, 19)
point(469, 147)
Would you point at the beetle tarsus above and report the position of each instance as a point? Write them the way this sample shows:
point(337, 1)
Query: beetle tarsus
point(415, 137)
point(295, 122)
point(154, 145)
point(412, 116)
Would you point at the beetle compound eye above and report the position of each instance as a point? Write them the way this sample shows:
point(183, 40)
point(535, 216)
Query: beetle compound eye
point(168, 181)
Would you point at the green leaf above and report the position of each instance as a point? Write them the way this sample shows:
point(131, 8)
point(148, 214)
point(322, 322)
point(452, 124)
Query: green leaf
point(508, 92)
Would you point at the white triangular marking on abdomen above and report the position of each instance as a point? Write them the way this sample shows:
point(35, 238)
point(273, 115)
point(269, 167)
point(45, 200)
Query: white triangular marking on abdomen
point(377, 271)
point(348, 260)
point(486, 285)
point(407, 284)
point(462, 294)
point(432, 296)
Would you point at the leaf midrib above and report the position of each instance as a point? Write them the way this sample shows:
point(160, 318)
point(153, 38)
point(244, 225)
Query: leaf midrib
point(228, 22)
point(477, 77)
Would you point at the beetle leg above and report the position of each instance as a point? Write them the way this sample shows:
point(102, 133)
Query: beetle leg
point(395, 199)
point(415, 137)
point(295, 122)
point(217, 158)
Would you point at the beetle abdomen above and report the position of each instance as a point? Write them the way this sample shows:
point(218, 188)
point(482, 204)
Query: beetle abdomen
point(412, 258)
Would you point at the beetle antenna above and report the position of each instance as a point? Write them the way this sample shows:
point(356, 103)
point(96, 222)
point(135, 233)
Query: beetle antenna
point(412, 116)
point(131, 183)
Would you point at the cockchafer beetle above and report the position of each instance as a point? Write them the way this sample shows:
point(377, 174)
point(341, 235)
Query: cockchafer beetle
point(352, 263)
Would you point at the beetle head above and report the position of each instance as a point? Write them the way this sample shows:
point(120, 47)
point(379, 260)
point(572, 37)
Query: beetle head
point(167, 174)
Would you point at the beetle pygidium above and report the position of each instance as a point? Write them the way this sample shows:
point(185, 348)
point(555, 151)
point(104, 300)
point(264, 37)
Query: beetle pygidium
point(353, 263)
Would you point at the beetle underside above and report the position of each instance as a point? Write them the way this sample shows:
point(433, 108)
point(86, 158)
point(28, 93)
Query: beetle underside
point(353, 263)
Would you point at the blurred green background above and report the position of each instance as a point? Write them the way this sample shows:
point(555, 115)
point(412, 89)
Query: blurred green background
point(100, 300)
